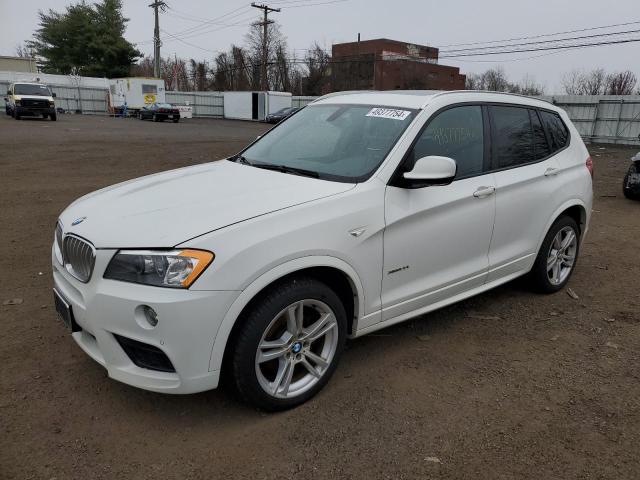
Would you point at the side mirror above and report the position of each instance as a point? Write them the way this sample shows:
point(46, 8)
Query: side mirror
point(53, 94)
point(6, 99)
point(431, 170)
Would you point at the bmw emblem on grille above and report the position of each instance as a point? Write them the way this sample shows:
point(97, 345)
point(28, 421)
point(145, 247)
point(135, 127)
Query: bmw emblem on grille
point(78, 221)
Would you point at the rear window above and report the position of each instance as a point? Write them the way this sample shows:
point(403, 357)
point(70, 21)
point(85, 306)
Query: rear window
point(512, 136)
point(540, 144)
point(557, 130)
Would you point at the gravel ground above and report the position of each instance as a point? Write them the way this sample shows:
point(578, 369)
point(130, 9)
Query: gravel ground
point(508, 384)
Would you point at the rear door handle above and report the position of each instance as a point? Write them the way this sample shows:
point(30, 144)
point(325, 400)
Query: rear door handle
point(484, 192)
point(551, 171)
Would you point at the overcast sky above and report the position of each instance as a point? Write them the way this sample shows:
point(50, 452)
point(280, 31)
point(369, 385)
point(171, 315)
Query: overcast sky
point(427, 22)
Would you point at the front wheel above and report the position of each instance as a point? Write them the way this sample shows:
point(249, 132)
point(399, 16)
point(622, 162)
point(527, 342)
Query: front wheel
point(176, 120)
point(54, 117)
point(289, 344)
point(557, 257)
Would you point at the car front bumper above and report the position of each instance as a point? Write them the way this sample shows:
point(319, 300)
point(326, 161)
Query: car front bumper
point(20, 110)
point(188, 322)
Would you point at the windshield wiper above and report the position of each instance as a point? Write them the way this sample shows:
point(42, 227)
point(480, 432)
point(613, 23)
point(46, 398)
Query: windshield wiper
point(240, 159)
point(286, 169)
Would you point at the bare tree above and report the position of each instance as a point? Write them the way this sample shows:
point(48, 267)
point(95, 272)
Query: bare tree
point(276, 42)
point(528, 86)
point(495, 80)
point(594, 82)
point(318, 64)
point(621, 83)
point(25, 51)
point(572, 82)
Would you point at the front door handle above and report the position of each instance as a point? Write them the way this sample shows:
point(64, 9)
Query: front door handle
point(551, 171)
point(484, 192)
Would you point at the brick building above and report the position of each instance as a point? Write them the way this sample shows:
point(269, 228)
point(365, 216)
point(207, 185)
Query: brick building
point(384, 64)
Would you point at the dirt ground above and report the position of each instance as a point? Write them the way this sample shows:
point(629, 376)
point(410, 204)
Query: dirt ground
point(509, 384)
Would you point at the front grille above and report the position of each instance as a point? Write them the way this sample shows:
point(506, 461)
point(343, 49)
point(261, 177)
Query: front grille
point(144, 355)
point(58, 241)
point(78, 256)
point(29, 102)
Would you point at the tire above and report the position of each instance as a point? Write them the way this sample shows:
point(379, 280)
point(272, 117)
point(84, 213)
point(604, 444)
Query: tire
point(139, 116)
point(629, 193)
point(16, 115)
point(268, 321)
point(176, 120)
point(546, 279)
point(45, 116)
point(54, 117)
point(155, 117)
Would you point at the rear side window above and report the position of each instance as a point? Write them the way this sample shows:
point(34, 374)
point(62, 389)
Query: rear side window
point(557, 130)
point(456, 133)
point(512, 136)
point(540, 145)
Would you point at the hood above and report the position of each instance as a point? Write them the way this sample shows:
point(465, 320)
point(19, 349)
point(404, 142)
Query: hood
point(166, 209)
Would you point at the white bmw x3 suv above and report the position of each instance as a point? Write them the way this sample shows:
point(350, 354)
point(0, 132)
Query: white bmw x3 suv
point(360, 211)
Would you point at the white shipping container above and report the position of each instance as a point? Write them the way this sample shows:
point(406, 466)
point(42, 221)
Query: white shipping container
point(136, 92)
point(254, 105)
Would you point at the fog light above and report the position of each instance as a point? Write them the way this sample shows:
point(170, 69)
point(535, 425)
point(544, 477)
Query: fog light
point(150, 315)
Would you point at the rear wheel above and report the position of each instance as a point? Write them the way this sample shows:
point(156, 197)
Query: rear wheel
point(289, 344)
point(557, 257)
point(176, 120)
point(155, 117)
point(626, 190)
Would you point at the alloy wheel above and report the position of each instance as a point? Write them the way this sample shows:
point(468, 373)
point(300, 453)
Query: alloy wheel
point(296, 349)
point(562, 255)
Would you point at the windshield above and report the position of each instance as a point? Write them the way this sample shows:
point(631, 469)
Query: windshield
point(339, 142)
point(26, 89)
point(163, 105)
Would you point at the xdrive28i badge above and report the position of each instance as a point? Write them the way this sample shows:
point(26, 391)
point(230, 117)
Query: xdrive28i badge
point(78, 221)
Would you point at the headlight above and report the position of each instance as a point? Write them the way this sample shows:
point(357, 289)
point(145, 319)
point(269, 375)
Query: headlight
point(174, 269)
point(17, 102)
point(51, 103)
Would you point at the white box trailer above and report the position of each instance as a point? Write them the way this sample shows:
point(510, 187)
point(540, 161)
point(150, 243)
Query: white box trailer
point(254, 105)
point(136, 92)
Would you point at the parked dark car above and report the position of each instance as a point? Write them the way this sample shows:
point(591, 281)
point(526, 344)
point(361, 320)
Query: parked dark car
point(631, 182)
point(158, 112)
point(280, 115)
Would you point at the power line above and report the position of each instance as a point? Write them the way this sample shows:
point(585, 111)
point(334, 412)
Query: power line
point(559, 47)
point(581, 37)
point(531, 37)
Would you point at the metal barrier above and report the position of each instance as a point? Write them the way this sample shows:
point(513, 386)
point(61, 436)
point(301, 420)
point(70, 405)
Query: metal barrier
point(205, 104)
point(88, 100)
point(603, 118)
point(300, 101)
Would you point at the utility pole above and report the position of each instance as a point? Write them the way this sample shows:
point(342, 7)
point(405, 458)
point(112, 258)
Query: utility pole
point(265, 24)
point(157, 4)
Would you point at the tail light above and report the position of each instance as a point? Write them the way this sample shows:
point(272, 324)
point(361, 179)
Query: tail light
point(589, 165)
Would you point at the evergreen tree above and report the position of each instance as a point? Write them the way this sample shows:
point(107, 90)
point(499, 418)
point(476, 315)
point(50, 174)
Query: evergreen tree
point(87, 39)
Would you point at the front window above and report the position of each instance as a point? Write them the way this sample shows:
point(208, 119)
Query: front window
point(163, 105)
point(27, 89)
point(338, 142)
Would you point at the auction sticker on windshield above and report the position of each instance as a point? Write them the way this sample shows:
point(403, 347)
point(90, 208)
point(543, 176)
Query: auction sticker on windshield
point(390, 113)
